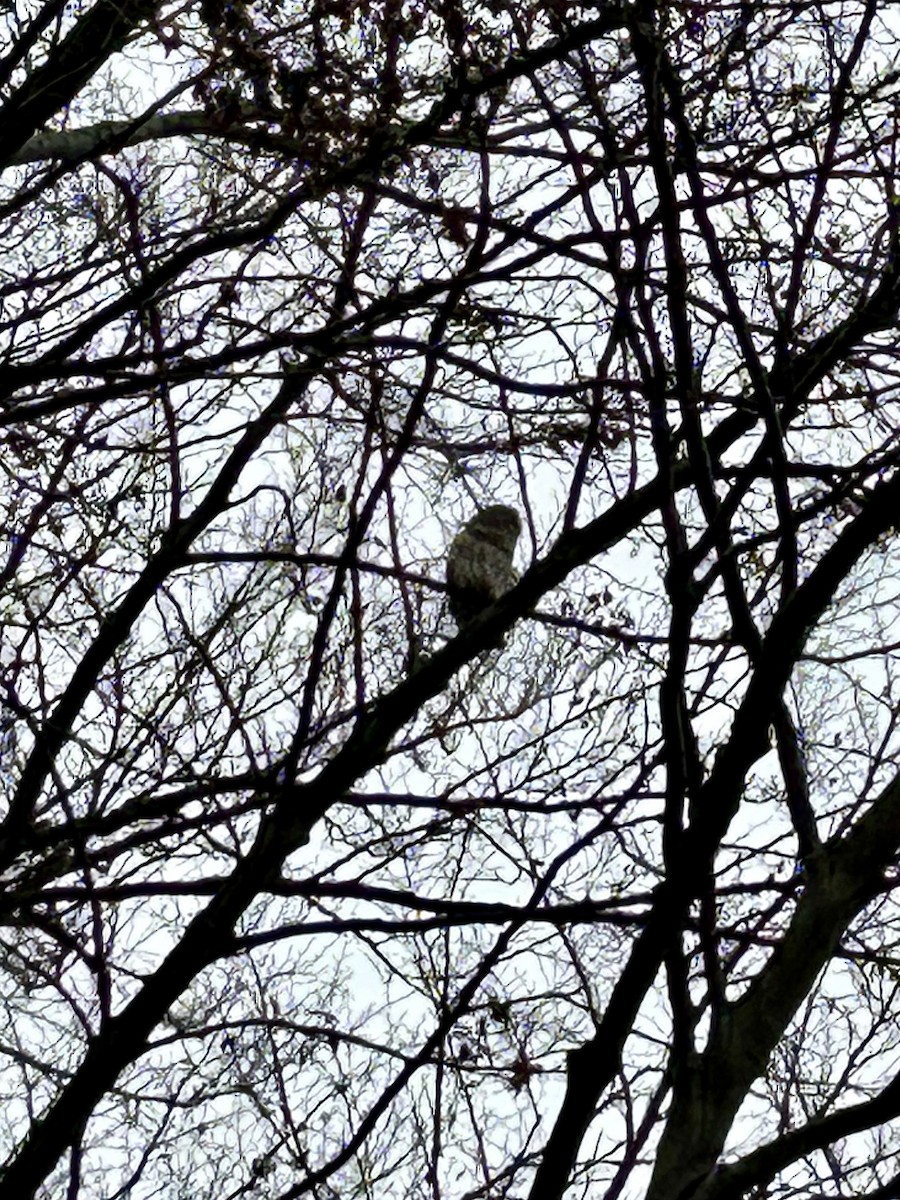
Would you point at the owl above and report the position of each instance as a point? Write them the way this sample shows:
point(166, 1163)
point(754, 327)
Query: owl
point(479, 565)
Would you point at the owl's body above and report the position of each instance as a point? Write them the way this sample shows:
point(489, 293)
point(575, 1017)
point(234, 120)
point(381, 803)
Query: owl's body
point(479, 565)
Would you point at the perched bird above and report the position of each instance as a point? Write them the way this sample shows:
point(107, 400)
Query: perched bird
point(479, 564)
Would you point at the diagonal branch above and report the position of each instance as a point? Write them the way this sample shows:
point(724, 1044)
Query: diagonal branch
point(100, 32)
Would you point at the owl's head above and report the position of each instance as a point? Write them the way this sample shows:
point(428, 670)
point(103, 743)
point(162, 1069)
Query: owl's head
point(498, 524)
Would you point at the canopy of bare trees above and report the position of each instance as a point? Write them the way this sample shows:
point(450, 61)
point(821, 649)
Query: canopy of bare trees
point(306, 892)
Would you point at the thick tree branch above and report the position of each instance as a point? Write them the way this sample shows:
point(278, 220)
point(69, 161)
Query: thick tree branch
point(99, 33)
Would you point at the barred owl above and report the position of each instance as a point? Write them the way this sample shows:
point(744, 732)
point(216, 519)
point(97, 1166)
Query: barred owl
point(479, 565)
